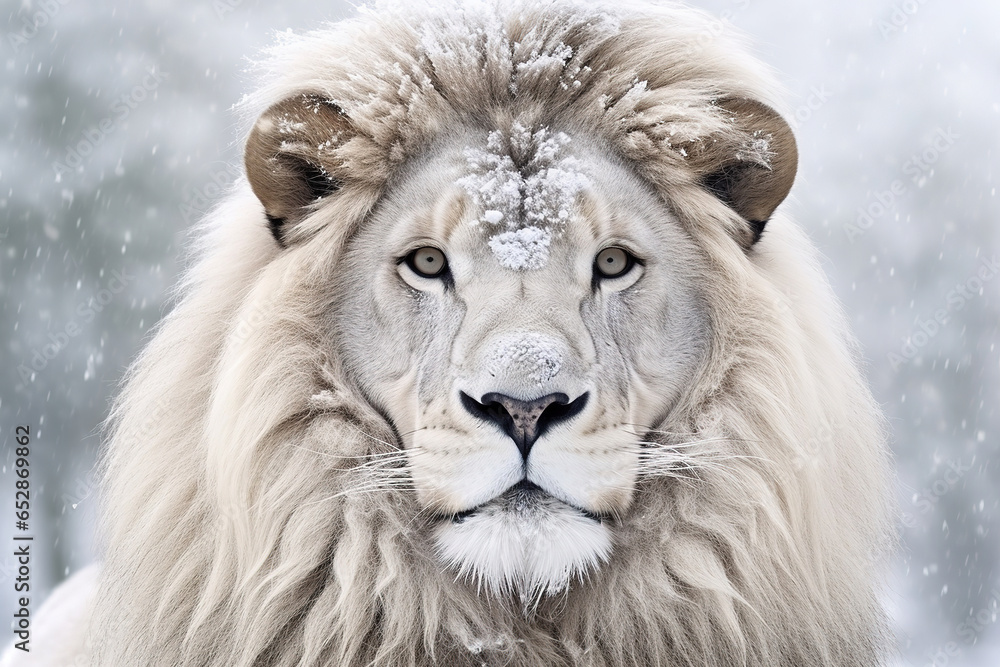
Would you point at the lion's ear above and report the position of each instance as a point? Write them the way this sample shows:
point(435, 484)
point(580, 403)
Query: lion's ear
point(284, 157)
point(754, 174)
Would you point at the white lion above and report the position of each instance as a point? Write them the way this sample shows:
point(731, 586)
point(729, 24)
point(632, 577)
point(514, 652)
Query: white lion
point(500, 356)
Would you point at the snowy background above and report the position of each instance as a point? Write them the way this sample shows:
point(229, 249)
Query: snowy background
point(117, 135)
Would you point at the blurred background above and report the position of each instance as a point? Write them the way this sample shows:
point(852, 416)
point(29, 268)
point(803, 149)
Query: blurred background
point(117, 136)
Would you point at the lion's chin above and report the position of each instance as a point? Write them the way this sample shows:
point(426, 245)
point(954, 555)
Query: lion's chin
point(527, 543)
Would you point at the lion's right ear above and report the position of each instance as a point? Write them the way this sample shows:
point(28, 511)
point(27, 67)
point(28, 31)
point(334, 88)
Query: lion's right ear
point(284, 158)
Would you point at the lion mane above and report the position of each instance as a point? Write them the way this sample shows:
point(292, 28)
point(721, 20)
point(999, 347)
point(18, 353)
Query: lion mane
point(237, 526)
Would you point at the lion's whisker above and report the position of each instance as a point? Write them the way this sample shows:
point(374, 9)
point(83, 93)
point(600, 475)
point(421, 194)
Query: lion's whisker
point(394, 446)
point(686, 434)
point(366, 489)
point(372, 455)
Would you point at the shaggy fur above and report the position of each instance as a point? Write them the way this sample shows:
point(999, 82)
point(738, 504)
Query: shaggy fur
point(233, 535)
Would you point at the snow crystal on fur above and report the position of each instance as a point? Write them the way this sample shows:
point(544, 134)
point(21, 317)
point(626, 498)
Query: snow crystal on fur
point(523, 185)
point(533, 355)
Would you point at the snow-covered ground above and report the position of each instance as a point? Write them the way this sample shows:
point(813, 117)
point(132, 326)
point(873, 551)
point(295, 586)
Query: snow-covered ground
point(117, 136)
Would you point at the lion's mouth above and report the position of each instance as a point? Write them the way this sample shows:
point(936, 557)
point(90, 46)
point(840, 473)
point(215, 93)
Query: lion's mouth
point(523, 498)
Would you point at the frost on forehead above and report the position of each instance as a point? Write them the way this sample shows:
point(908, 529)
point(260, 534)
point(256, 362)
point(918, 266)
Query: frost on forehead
point(525, 248)
point(526, 190)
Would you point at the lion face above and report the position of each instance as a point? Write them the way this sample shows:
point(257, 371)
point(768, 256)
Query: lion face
point(522, 310)
point(515, 317)
point(509, 287)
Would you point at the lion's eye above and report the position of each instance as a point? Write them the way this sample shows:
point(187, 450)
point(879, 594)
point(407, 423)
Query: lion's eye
point(613, 262)
point(427, 262)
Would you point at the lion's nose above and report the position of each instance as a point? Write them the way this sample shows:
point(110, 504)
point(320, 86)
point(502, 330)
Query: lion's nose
point(524, 421)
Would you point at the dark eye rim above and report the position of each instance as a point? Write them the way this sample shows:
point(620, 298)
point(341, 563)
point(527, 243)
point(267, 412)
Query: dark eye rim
point(410, 260)
point(631, 261)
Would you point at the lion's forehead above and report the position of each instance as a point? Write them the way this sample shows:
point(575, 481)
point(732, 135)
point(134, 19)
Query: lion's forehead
point(525, 185)
point(520, 203)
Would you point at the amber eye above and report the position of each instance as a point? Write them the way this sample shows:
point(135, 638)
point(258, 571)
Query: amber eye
point(613, 262)
point(427, 262)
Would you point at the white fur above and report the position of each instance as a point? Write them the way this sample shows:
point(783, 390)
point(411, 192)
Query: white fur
point(526, 548)
point(288, 448)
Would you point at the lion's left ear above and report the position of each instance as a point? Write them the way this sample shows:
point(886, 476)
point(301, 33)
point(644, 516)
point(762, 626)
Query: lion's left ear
point(284, 157)
point(753, 173)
